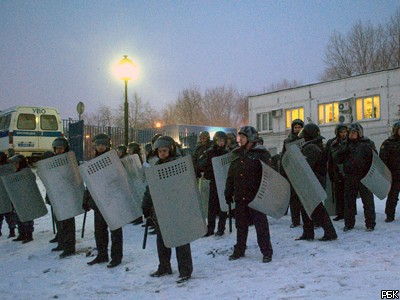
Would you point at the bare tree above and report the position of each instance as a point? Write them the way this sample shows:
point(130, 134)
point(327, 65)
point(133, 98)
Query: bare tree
point(366, 48)
point(102, 117)
point(188, 107)
point(393, 32)
point(284, 84)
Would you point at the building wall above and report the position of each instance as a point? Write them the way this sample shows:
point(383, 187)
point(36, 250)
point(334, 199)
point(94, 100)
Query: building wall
point(386, 84)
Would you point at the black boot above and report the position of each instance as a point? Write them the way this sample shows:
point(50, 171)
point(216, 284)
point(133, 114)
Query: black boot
point(21, 237)
point(28, 238)
point(161, 272)
point(12, 233)
point(98, 260)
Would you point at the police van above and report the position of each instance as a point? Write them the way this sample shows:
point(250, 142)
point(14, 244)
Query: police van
point(29, 130)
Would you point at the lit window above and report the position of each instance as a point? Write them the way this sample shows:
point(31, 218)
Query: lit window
point(293, 114)
point(328, 113)
point(264, 121)
point(368, 108)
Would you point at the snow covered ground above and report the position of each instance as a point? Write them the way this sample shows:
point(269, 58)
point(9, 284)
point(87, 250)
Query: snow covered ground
point(356, 266)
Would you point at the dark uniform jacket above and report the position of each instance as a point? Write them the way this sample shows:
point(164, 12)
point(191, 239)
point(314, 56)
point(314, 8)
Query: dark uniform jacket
point(356, 156)
point(390, 155)
point(147, 203)
point(198, 152)
point(245, 173)
point(316, 158)
point(204, 163)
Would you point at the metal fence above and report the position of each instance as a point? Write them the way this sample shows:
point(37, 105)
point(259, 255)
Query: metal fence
point(141, 136)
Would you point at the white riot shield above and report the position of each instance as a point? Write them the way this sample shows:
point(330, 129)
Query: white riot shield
point(303, 179)
point(5, 201)
point(63, 183)
point(220, 167)
point(134, 169)
point(204, 189)
point(273, 194)
point(25, 195)
point(299, 143)
point(379, 178)
point(176, 200)
point(106, 180)
point(330, 201)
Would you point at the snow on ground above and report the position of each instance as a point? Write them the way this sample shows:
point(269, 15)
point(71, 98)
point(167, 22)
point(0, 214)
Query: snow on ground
point(356, 266)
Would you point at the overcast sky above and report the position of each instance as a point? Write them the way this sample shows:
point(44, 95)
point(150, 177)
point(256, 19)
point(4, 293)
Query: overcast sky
point(57, 53)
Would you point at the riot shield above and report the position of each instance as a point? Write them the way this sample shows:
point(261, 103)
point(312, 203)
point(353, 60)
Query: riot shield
point(379, 178)
point(137, 183)
point(5, 201)
point(176, 200)
point(204, 189)
point(303, 179)
point(25, 195)
point(105, 178)
point(220, 167)
point(299, 143)
point(273, 194)
point(330, 201)
point(63, 183)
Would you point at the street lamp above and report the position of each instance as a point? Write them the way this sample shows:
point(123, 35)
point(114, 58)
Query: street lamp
point(126, 70)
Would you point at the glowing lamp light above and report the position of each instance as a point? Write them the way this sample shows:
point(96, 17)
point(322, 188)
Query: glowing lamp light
point(126, 69)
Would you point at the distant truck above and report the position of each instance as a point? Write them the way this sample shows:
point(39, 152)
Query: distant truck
point(29, 130)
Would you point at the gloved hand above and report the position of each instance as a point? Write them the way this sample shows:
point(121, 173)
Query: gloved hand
point(229, 200)
point(147, 212)
point(86, 207)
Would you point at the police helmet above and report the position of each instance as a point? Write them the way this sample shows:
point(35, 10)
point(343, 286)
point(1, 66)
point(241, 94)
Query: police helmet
point(48, 154)
point(395, 128)
point(19, 159)
point(250, 132)
point(102, 139)
point(205, 134)
point(61, 142)
point(165, 142)
point(220, 135)
point(310, 132)
point(134, 147)
point(122, 148)
point(339, 128)
point(155, 137)
point(356, 127)
point(231, 136)
point(297, 122)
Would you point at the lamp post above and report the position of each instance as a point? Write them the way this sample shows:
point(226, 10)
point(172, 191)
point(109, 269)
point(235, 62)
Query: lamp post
point(126, 70)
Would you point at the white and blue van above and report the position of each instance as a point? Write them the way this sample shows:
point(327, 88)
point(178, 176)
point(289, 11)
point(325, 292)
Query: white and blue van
point(29, 130)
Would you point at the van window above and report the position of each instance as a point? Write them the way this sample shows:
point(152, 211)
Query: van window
point(26, 121)
point(2, 122)
point(48, 122)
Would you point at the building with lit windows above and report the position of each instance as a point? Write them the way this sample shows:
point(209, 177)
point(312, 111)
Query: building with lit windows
point(372, 99)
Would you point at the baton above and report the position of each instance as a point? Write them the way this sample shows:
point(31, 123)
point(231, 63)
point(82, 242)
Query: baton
point(230, 216)
point(52, 220)
point(146, 230)
point(83, 225)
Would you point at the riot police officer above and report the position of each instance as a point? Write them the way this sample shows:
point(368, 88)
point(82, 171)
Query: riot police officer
point(390, 155)
point(66, 228)
point(356, 156)
point(102, 145)
point(165, 147)
point(335, 175)
point(294, 204)
point(242, 184)
point(314, 153)
point(25, 229)
point(205, 165)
